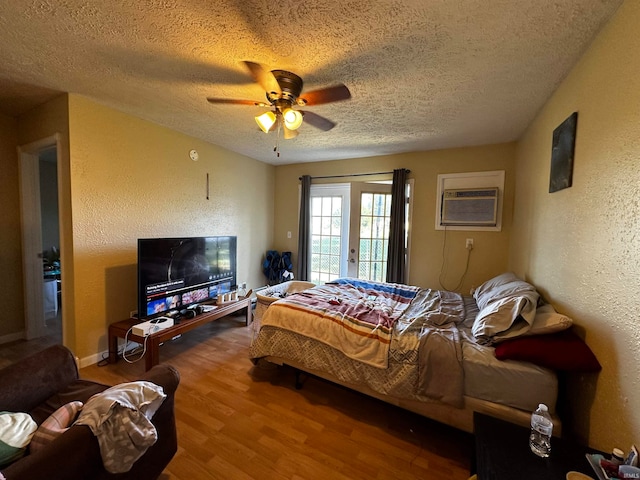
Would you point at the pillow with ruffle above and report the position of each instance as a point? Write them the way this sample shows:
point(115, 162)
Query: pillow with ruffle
point(54, 426)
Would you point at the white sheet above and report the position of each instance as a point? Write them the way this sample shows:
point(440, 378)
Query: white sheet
point(517, 384)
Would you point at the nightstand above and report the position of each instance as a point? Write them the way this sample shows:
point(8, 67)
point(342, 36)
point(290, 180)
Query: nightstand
point(502, 453)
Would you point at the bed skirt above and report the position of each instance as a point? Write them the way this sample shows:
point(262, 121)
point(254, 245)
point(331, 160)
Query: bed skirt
point(460, 418)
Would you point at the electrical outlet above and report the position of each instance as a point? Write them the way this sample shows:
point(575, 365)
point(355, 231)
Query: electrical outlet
point(469, 245)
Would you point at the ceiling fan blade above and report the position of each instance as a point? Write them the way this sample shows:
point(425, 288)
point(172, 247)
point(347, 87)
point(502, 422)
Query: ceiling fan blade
point(318, 121)
point(265, 78)
point(325, 95)
point(237, 102)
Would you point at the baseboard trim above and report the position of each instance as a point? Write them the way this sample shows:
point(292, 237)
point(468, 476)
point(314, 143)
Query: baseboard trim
point(12, 337)
point(93, 359)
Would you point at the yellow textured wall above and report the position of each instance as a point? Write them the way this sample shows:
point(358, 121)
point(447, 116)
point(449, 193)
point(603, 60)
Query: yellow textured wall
point(490, 254)
point(581, 245)
point(12, 318)
point(131, 179)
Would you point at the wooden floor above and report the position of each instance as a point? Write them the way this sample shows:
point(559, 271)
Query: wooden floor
point(239, 422)
point(13, 351)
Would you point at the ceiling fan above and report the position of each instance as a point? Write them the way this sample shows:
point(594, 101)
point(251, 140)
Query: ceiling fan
point(284, 94)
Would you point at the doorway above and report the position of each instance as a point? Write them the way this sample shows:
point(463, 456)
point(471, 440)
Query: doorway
point(42, 271)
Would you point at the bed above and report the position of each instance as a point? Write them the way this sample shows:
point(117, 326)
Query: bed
point(428, 351)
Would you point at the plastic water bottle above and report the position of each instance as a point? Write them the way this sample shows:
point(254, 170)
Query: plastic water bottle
point(541, 431)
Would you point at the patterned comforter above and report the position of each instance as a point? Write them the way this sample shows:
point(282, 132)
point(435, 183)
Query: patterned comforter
point(408, 335)
point(354, 316)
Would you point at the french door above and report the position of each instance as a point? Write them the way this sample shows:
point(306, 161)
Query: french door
point(330, 209)
point(369, 231)
point(349, 231)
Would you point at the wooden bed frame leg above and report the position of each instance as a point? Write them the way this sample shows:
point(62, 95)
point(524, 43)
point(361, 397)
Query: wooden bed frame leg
point(298, 382)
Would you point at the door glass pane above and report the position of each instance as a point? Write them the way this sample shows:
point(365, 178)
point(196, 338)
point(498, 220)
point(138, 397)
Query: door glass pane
point(336, 203)
point(366, 204)
point(378, 271)
point(365, 227)
point(378, 226)
point(363, 270)
point(378, 204)
point(336, 225)
point(325, 245)
point(326, 226)
point(326, 206)
point(316, 206)
point(365, 249)
point(335, 246)
point(334, 265)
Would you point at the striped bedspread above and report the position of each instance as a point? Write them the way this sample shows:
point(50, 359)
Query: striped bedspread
point(353, 316)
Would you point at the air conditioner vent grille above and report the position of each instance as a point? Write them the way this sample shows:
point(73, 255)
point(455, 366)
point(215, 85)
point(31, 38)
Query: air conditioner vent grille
point(469, 207)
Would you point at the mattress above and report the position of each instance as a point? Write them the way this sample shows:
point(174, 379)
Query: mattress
point(516, 384)
point(521, 385)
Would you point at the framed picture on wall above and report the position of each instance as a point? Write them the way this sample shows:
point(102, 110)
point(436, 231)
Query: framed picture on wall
point(564, 141)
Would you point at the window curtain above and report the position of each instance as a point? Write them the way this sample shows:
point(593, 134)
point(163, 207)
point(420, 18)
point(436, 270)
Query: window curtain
point(396, 265)
point(304, 229)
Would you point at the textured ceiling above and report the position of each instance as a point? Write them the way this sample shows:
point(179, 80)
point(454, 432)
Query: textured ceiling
point(423, 74)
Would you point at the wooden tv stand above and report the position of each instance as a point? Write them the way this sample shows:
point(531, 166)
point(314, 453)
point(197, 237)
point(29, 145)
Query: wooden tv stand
point(153, 341)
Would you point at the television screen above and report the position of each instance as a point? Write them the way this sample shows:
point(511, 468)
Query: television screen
point(174, 273)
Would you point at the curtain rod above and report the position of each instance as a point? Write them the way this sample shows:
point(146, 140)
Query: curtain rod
point(354, 175)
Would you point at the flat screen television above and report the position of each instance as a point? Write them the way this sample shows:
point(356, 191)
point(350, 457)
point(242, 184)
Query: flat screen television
point(175, 273)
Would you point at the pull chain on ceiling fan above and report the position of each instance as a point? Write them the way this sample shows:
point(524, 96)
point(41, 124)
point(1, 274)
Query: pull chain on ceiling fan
point(283, 92)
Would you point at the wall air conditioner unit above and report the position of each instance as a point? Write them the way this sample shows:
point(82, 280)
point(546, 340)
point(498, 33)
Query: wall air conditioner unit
point(469, 207)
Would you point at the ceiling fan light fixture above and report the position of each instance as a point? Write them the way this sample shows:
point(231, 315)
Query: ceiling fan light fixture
point(292, 118)
point(288, 134)
point(266, 121)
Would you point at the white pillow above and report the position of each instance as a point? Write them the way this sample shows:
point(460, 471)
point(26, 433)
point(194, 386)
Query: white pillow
point(502, 316)
point(547, 320)
point(514, 288)
point(507, 307)
point(494, 282)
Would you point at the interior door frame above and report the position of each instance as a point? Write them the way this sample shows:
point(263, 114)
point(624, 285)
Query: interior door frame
point(31, 223)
